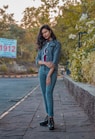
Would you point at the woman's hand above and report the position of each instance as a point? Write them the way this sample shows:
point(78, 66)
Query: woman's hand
point(48, 80)
point(49, 64)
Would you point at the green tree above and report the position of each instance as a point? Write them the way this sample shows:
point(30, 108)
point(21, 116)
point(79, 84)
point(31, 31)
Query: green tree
point(5, 20)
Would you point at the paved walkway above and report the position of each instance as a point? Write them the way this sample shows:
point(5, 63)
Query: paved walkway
point(22, 120)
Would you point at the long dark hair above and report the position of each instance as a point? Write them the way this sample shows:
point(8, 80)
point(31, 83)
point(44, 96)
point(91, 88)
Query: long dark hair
point(40, 39)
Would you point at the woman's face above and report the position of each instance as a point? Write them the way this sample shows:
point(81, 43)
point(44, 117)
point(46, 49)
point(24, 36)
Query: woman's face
point(46, 34)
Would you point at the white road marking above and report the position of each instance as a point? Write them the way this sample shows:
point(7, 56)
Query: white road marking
point(13, 107)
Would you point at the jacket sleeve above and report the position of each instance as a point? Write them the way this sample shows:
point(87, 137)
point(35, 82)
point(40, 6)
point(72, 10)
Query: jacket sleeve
point(38, 57)
point(56, 53)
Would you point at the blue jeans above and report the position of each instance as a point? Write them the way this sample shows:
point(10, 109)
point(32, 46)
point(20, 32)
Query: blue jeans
point(47, 90)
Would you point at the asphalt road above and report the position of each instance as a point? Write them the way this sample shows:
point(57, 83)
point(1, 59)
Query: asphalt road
point(14, 89)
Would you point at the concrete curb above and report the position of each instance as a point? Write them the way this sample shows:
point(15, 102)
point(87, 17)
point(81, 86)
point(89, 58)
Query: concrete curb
point(84, 94)
point(18, 76)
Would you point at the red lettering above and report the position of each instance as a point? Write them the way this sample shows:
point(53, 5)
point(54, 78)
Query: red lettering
point(5, 48)
point(9, 48)
point(13, 49)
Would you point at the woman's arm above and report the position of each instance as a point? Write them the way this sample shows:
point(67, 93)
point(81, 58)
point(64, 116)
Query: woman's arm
point(54, 63)
point(48, 64)
point(48, 79)
point(50, 72)
point(57, 53)
point(40, 62)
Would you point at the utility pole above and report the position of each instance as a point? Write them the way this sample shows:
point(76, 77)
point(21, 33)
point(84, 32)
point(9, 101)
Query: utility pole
point(79, 38)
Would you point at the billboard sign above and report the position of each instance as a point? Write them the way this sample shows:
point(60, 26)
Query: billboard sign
point(8, 48)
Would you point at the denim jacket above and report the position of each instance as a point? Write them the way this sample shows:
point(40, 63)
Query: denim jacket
point(52, 54)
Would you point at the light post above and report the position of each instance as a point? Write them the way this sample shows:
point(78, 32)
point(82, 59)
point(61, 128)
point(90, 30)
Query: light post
point(79, 38)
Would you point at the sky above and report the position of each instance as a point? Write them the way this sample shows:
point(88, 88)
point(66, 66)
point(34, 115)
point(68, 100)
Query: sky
point(18, 6)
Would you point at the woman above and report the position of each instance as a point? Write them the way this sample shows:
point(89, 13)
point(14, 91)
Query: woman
point(48, 58)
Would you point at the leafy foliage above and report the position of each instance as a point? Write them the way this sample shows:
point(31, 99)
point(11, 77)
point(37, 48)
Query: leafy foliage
point(82, 60)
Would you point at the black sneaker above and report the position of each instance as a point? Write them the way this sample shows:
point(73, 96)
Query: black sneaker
point(51, 124)
point(45, 122)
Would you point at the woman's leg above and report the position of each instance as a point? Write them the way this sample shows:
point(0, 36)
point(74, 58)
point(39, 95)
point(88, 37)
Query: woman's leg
point(49, 94)
point(42, 78)
point(49, 98)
